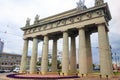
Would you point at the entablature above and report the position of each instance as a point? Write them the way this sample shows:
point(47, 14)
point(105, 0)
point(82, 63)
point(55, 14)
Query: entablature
point(69, 15)
point(69, 20)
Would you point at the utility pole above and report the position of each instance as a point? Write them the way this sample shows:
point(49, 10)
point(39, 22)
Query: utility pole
point(116, 59)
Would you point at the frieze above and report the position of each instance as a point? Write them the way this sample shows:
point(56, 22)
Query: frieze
point(27, 31)
point(39, 28)
point(71, 20)
point(42, 28)
point(89, 15)
point(54, 25)
point(48, 26)
point(32, 30)
point(57, 23)
point(67, 21)
point(78, 18)
point(45, 26)
point(99, 12)
point(63, 22)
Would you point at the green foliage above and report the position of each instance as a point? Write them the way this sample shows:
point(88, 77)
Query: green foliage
point(49, 64)
point(59, 64)
point(116, 73)
point(38, 63)
point(93, 65)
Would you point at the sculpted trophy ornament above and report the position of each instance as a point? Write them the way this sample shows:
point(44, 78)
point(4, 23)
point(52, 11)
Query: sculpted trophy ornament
point(98, 2)
point(81, 5)
point(28, 22)
point(36, 19)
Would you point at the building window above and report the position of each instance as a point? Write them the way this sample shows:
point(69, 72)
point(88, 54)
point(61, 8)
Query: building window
point(6, 56)
point(2, 63)
point(11, 63)
point(5, 63)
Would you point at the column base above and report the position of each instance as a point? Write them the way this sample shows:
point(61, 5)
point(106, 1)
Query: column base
point(83, 75)
point(43, 73)
point(64, 74)
point(106, 76)
point(73, 73)
point(22, 72)
point(61, 74)
point(53, 72)
point(33, 72)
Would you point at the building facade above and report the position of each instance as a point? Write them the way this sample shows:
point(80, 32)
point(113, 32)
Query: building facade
point(9, 61)
point(76, 22)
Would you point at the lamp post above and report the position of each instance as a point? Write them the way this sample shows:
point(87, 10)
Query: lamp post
point(116, 59)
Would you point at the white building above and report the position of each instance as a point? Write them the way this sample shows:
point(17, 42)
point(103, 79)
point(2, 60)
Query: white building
point(9, 60)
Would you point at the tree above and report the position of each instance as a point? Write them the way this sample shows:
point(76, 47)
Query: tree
point(38, 63)
point(58, 64)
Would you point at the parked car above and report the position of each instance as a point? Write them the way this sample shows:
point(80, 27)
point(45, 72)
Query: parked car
point(7, 71)
point(2, 71)
point(16, 70)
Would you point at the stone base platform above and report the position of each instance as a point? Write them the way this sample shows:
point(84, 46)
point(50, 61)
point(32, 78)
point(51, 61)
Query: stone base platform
point(51, 77)
point(38, 76)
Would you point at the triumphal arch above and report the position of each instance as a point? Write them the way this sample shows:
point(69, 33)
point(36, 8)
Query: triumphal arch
point(81, 21)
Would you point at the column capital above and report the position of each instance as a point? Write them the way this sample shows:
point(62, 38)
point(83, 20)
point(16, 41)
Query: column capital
point(46, 34)
point(80, 27)
point(65, 30)
point(100, 24)
point(35, 36)
point(26, 38)
point(103, 24)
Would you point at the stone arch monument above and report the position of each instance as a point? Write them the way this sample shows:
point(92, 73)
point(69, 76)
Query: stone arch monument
point(82, 22)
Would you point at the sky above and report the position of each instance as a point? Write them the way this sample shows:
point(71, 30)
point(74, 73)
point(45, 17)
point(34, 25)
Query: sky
point(13, 15)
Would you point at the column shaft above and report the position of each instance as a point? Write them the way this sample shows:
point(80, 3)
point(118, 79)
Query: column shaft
point(104, 50)
point(44, 63)
point(34, 56)
point(24, 57)
point(82, 52)
point(54, 56)
point(65, 54)
point(73, 55)
point(110, 58)
point(89, 53)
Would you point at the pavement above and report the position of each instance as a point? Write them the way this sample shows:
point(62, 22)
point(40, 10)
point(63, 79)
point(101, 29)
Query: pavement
point(3, 77)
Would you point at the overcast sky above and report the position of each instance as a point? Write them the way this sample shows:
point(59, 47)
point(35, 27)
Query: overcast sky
point(13, 15)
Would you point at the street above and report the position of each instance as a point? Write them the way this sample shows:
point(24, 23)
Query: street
point(3, 75)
